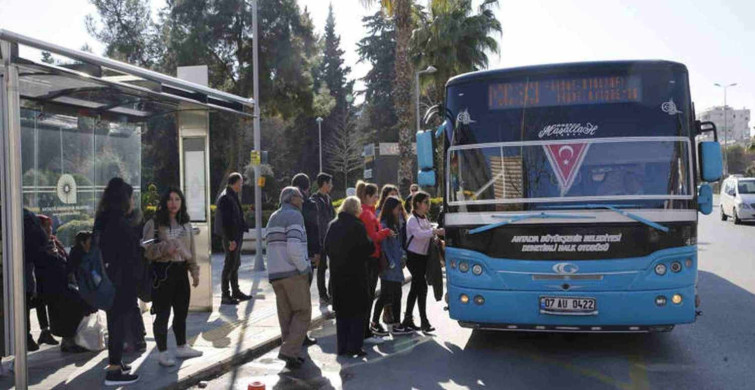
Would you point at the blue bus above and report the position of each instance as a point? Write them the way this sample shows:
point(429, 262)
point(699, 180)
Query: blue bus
point(571, 196)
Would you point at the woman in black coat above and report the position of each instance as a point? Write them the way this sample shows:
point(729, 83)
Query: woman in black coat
point(119, 245)
point(348, 248)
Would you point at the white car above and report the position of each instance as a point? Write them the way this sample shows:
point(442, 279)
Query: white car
point(738, 199)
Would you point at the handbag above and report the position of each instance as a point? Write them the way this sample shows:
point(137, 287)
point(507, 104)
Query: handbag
point(91, 332)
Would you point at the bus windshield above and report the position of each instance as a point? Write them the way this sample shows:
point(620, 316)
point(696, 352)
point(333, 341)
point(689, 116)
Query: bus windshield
point(607, 169)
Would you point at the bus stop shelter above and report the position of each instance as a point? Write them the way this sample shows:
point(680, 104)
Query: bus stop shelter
point(94, 109)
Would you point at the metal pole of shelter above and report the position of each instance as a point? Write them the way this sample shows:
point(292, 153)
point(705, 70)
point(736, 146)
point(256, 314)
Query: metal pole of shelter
point(12, 207)
point(259, 263)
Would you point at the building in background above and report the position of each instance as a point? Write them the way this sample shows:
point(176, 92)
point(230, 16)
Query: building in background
point(737, 124)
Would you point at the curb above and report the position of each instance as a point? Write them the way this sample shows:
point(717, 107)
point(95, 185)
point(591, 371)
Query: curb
point(221, 367)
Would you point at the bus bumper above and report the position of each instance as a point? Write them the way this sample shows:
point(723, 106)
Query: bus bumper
point(616, 311)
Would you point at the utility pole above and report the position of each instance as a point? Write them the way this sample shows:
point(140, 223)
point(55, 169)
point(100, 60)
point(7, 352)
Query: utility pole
point(726, 129)
point(259, 262)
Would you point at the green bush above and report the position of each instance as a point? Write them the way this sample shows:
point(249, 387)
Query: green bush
point(67, 232)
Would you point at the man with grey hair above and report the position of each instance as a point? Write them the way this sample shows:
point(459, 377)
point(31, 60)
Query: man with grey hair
point(288, 271)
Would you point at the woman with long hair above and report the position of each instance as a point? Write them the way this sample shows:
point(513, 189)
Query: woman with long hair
point(368, 195)
point(172, 255)
point(119, 245)
point(392, 277)
point(419, 232)
point(385, 192)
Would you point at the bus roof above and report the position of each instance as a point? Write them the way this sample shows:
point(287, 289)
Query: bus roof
point(563, 67)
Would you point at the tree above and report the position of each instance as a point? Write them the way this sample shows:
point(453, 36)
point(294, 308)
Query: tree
point(378, 48)
point(344, 149)
point(127, 30)
point(401, 11)
point(737, 162)
point(453, 40)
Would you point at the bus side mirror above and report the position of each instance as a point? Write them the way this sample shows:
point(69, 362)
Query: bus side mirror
point(425, 161)
point(705, 198)
point(711, 163)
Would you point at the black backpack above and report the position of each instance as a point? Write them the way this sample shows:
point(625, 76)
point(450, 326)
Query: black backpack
point(143, 271)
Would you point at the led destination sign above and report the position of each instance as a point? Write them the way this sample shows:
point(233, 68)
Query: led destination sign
point(564, 92)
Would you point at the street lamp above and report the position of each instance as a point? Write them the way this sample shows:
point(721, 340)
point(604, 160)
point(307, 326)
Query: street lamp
point(319, 132)
point(726, 128)
point(430, 69)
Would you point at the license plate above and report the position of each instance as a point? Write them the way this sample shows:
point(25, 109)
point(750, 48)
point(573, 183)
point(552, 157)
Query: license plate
point(568, 305)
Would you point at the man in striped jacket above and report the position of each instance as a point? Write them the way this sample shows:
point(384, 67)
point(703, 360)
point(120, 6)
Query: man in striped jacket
point(288, 271)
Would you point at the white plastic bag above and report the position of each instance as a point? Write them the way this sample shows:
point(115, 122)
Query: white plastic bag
point(91, 332)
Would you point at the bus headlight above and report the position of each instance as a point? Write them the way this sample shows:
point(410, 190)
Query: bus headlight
point(463, 266)
point(660, 300)
point(477, 269)
point(660, 269)
point(677, 299)
point(676, 267)
point(464, 298)
point(478, 299)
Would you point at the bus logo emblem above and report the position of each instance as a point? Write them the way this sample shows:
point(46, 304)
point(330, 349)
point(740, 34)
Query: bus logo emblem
point(670, 108)
point(565, 268)
point(566, 159)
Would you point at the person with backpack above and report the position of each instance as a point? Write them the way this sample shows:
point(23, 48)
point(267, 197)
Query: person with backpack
point(419, 232)
point(119, 246)
point(173, 259)
point(325, 214)
point(392, 277)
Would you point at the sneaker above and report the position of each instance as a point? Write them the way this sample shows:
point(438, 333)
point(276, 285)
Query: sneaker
point(119, 378)
point(31, 346)
point(309, 341)
point(409, 324)
point(165, 360)
point(426, 327)
point(374, 340)
point(378, 329)
point(187, 352)
point(46, 338)
point(400, 330)
point(227, 300)
point(241, 297)
point(359, 354)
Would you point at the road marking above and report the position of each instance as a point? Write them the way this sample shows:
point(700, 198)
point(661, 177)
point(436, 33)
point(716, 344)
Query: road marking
point(638, 373)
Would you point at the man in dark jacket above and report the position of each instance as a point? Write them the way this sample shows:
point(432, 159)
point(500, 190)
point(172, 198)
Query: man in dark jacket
point(309, 211)
point(325, 214)
point(230, 224)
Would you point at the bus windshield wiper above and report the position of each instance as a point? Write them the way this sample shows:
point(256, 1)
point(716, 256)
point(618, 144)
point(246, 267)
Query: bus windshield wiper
point(615, 208)
point(521, 217)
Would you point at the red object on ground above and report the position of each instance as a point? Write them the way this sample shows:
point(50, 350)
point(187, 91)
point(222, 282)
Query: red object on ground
point(256, 386)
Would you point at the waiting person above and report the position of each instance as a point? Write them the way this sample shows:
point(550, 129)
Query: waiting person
point(120, 251)
point(419, 232)
point(288, 271)
point(173, 259)
point(413, 189)
point(325, 214)
point(82, 243)
point(310, 213)
point(391, 278)
point(48, 267)
point(368, 195)
point(385, 192)
point(349, 249)
point(35, 245)
point(230, 225)
point(75, 308)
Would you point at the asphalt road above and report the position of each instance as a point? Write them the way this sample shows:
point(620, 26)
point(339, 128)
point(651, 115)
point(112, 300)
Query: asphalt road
point(717, 352)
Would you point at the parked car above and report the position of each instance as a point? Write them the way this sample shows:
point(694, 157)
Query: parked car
point(738, 199)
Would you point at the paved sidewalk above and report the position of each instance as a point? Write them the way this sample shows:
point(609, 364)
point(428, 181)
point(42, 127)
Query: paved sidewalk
point(229, 335)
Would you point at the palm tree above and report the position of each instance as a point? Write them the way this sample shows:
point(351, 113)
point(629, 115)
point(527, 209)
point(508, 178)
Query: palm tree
point(401, 11)
point(453, 40)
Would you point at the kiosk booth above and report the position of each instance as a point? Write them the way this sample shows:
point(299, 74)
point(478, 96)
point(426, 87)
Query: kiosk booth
point(65, 130)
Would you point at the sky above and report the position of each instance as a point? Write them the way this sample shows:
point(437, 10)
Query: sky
point(714, 38)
